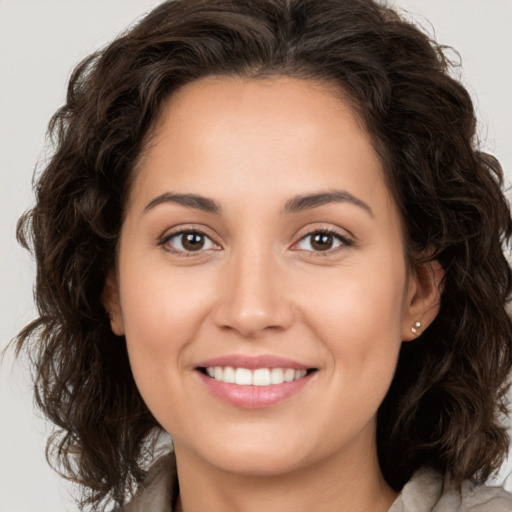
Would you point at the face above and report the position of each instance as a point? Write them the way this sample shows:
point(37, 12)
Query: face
point(261, 281)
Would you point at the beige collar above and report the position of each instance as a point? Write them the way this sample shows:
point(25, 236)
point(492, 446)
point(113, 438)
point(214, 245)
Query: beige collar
point(427, 491)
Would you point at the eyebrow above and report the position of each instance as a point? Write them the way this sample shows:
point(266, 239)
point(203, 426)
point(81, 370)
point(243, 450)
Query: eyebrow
point(293, 205)
point(307, 202)
point(189, 200)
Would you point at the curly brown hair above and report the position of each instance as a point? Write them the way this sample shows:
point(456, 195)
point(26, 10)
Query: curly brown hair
point(443, 407)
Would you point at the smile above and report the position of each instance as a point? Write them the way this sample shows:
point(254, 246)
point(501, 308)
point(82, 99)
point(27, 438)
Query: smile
point(257, 377)
point(254, 381)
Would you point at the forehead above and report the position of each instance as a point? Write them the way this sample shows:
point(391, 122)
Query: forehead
point(257, 104)
point(223, 134)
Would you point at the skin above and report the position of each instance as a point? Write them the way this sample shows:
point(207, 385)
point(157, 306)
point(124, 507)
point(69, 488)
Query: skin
point(258, 286)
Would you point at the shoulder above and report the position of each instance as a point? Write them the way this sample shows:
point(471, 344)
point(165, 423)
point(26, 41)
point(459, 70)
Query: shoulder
point(158, 491)
point(428, 491)
point(483, 498)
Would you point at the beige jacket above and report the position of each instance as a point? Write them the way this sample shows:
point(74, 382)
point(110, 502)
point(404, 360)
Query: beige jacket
point(427, 491)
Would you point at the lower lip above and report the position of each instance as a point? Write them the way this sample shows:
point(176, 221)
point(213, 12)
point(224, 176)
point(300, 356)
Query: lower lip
point(253, 397)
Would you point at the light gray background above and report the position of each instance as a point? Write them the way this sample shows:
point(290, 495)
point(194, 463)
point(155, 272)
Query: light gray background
point(40, 42)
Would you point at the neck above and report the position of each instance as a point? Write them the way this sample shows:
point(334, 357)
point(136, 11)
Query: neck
point(340, 482)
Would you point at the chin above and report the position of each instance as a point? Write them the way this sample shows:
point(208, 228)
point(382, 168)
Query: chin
point(257, 455)
point(261, 465)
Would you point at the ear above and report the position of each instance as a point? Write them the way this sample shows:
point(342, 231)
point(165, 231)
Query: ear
point(110, 299)
point(423, 300)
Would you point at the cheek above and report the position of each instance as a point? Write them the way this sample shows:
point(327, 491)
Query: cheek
point(162, 314)
point(358, 300)
point(160, 303)
point(358, 315)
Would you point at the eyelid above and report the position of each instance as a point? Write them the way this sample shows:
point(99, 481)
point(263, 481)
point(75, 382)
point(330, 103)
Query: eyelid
point(187, 228)
point(346, 239)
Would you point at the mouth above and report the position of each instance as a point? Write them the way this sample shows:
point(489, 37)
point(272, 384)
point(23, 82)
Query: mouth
point(255, 381)
point(257, 377)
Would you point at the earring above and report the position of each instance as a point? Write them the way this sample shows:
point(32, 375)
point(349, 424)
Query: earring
point(415, 327)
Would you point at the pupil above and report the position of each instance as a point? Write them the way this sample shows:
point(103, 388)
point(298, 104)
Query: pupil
point(193, 241)
point(322, 241)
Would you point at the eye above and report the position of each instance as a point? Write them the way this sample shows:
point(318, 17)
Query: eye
point(321, 241)
point(188, 241)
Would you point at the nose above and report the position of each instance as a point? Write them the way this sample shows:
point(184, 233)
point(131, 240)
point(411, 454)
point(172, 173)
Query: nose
point(254, 296)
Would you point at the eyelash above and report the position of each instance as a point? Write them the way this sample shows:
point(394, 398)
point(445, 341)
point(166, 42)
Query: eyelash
point(164, 241)
point(345, 242)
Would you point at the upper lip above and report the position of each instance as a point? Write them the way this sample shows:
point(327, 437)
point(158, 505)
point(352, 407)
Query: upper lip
point(254, 362)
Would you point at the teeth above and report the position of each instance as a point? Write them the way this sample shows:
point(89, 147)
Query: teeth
point(289, 375)
point(217, 373)
point(259, 377)
point(243, 377)
point(229, 375)
point(276, 376)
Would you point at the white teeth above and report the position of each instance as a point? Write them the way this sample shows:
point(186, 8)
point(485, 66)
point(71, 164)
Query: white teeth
point(259, 377)
point(243, 377)
point(289, 375)
point(218, 373)
point(276, 376)
point(229, 375)
point(300, 373)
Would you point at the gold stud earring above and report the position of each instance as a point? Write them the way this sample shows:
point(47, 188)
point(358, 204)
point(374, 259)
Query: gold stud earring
point(416, 327)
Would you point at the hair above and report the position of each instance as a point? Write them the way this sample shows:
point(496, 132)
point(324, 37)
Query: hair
point(444, 405)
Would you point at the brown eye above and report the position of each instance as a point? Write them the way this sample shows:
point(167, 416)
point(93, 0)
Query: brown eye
point(192, 241)
point(322, 241)
point(188, 241)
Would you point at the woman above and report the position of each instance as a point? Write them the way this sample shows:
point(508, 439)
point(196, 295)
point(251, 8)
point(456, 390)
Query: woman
point(267, 231)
